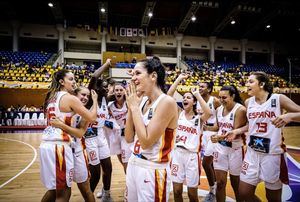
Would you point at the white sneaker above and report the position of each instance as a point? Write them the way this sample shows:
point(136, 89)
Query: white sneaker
point(100, 194)
point(106, 196)
point(210, 197)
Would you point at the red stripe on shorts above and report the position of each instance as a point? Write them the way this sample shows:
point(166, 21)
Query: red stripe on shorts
point(61, 182)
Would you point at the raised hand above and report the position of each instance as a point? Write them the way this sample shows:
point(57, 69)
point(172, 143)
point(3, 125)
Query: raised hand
point(183, 76)
point(108, 61)
point(94, 96)
point(195, 92)
point(133, 98)
point(129, 72)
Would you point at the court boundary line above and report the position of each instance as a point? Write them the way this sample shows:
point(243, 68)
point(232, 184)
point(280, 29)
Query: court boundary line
point(297, 164)
point(292, 147)
point(22, 171)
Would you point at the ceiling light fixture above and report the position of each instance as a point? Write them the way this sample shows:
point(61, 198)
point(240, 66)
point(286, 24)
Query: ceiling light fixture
point(150, 14)
point(50, 4)
point(193, 18)
point(102, 10)
point(232, 22)
point(268, 26)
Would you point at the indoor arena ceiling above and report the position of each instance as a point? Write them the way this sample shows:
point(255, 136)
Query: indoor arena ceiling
point(213, 17)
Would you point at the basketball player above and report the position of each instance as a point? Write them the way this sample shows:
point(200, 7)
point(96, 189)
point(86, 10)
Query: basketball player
point(264, 159)
point(152, 119)
point(228, 156)
point(96, 142)
point(118, 111)
point(205, 89)
point(81, 172)
point(56, 157)
point(186, 158)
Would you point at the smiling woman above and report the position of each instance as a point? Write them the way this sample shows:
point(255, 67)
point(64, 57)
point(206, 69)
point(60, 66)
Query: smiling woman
point(150, 125)
point(265, 145)
point(188, 142)
point(56, 155)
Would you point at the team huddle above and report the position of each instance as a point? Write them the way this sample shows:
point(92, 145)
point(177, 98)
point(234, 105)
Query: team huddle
point(160, 144)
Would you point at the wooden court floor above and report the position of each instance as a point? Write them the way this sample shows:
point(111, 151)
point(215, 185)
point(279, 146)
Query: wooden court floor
point(17, 155)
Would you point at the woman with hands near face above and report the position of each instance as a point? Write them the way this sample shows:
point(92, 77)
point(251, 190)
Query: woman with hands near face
point(150, 125)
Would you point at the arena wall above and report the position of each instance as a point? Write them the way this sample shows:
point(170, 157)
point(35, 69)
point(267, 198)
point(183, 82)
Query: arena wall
point(74, 34)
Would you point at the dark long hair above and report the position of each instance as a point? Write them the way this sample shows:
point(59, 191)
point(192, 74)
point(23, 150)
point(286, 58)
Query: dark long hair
point(264, 80)
point(97, 84)
point(210, 86)
point(194, 105)
point(154, 65)
point(233, 91)
point(55, 85)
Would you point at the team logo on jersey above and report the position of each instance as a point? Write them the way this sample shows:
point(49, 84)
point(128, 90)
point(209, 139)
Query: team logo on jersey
point(174, 169)
point(93, 155)
point(231, 116)
point(273, 103)
point(244, 167)
point(150, 113)
point(259, 144)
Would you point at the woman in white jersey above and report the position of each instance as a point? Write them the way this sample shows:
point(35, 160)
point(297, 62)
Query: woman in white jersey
point(205, 89)
point(79, 127)
point(96, 143)
point(118, 111)
point(186, 158)
point(228, 156)
point(56, 157)
point(264, 159)
point(150, 125)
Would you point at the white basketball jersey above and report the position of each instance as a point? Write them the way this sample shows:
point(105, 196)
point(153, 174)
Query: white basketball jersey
point(78, 143)
point(102, 114)
point(211, 106)
point(56, 134)
point(160, 151)
point(96, 128)
point(188, 133)
point(226, 123)
point(119, 115)
point(263, 135)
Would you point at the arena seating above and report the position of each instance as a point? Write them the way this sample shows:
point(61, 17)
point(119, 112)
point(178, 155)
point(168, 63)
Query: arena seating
point(125, 65)
point(31, 58)
point(219, 73)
